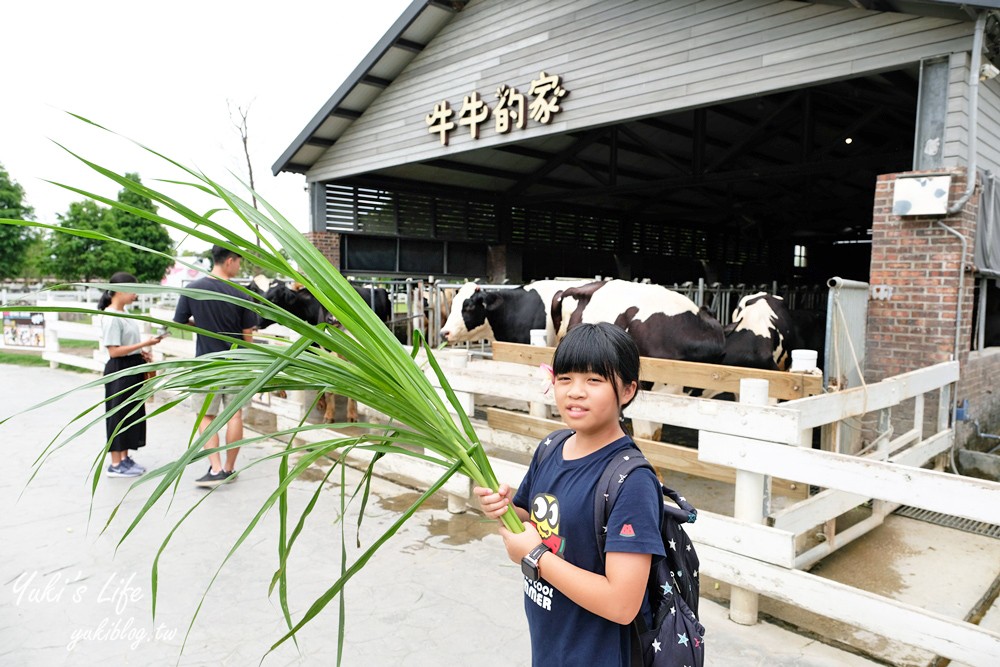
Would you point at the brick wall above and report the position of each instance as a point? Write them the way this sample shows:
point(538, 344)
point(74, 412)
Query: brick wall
point(328, 243)
point(919, 262)
point(978, 385)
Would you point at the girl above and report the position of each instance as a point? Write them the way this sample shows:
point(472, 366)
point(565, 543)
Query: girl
point(579, 605)
point(121, 336)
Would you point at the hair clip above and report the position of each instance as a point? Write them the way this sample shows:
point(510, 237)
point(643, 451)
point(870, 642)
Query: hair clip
point(547, 376)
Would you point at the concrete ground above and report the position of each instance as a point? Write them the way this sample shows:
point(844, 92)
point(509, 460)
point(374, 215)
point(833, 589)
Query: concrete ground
point(940, 568)
point(441, 591)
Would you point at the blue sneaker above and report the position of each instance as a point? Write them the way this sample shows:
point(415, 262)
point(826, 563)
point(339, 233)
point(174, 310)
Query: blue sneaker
point(133, 465)
point(122, 470)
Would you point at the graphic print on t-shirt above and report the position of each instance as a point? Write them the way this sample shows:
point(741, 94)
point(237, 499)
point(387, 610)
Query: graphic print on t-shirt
point(545, 518)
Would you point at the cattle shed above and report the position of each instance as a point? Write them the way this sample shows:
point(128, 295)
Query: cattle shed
point(740, 141)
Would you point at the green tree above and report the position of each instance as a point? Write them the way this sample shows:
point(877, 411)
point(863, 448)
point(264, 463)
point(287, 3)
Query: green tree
point(78, 258)
point(148, 268)
point(36, 260)
point(14, 241)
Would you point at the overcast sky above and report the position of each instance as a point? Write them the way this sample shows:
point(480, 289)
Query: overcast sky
point(162, 73)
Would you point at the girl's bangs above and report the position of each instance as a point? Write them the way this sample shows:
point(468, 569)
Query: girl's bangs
point(585, 353)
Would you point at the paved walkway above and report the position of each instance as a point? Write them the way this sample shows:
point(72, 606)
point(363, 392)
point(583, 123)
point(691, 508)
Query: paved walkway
point(440, 592)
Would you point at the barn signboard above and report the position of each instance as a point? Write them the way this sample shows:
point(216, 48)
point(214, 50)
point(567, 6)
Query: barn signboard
point(512, 109)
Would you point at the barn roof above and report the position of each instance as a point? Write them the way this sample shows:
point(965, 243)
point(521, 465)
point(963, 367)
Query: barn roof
point(422, 21)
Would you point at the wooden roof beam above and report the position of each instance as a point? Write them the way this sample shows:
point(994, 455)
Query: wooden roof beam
point(742, 175)
point(556, 161)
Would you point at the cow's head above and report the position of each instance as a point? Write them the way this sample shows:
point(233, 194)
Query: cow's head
point(296, 300)
point(281, 295)
point(259, 285)
point(467, 320)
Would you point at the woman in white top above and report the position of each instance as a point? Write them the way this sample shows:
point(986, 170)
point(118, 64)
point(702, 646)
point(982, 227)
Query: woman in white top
point(125, 349)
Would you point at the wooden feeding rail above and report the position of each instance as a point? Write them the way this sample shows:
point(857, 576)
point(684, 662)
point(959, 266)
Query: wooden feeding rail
point(662, 454)
point(782, 386)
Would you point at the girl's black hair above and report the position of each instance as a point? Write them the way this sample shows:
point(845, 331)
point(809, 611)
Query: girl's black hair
point(120, 277)
point(600, 348)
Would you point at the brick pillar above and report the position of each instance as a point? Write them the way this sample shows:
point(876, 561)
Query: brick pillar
point(328, 243)
point(919, 262)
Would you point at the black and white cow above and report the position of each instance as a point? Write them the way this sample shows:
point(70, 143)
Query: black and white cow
point(663, 324)
point(305, 306)
point(506, 315)
point(762, 334)
point(301, 303)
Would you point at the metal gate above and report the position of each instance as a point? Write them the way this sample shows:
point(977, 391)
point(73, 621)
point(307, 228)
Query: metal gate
point(844, 360)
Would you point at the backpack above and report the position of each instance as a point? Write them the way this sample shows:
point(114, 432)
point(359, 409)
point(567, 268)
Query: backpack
point(676, 637)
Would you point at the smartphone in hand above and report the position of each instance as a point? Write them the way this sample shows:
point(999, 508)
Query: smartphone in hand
point(163, 333)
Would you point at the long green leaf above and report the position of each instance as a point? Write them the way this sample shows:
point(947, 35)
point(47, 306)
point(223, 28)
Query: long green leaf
point(361, 360)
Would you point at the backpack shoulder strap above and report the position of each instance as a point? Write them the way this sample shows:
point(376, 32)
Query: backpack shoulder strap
point(609, 486)
point(550, 442)
point(684, 512)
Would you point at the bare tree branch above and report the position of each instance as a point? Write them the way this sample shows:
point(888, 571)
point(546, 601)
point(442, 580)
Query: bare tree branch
point(240, 122)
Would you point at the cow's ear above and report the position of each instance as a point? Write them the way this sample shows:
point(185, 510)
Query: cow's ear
point(492, 300)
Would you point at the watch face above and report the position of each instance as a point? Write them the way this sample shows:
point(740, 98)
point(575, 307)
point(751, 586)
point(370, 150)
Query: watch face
point(529, 564)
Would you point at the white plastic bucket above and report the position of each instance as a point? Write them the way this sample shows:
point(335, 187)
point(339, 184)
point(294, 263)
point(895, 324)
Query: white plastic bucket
point(538, 337)
point(804, 360)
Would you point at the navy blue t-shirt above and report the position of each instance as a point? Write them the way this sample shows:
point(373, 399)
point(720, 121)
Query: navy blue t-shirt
point(559, 496)
point(215, 316)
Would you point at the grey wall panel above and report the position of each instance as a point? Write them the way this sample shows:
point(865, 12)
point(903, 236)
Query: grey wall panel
point(989, 125)
point(988, 113)
point(956, 149)
point(628, 59)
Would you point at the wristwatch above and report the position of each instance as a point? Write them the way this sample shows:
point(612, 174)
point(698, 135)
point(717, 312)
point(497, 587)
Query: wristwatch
point(529, 564)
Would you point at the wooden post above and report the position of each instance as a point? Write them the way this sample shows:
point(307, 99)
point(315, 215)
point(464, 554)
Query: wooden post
point(52, 333)
point(537, 409)
point(752, 494)
point(458, 503)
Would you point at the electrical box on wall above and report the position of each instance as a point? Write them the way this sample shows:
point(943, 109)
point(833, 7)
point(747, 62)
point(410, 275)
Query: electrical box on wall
point(921, 195)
